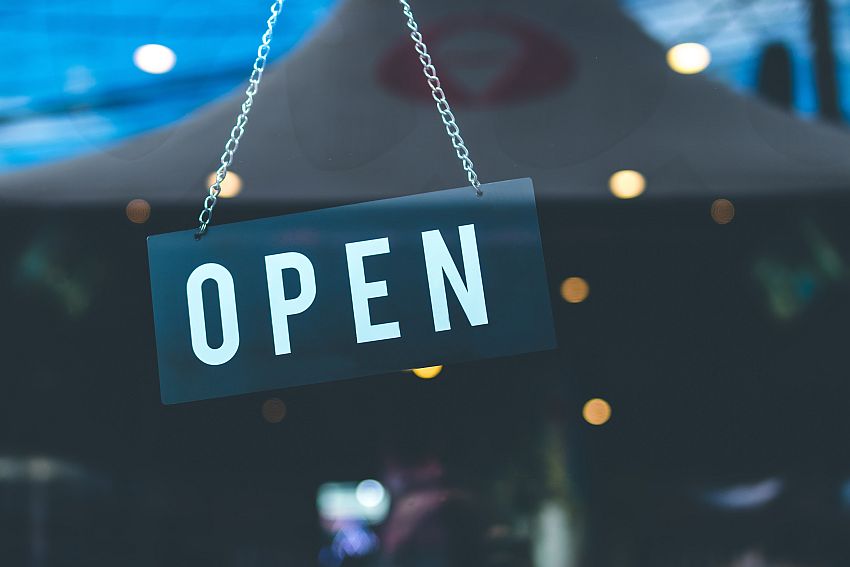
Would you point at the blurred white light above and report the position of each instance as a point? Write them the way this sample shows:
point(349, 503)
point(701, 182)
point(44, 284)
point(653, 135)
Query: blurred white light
point(154, 58)
point(370, 493)
point(38, 469)
point(343, 502)
point(689, 58)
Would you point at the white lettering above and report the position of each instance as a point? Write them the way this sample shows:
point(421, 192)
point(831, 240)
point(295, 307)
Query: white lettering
point(438, 261)
point(362, 291)
point(197, 320)
point(281, 307)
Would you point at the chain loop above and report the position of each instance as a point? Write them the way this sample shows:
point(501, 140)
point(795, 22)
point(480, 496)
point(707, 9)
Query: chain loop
point(439, 96)
point(241, 120)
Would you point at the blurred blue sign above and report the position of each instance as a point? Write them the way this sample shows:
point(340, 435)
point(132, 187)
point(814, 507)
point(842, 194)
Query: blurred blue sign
point(350, 291)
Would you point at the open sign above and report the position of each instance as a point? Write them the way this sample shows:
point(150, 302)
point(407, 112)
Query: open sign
point(439, 267)
point(349, 291)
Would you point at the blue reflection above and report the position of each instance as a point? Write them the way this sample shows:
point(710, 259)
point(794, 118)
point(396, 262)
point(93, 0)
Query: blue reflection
point(75, 88)
point(737, 33)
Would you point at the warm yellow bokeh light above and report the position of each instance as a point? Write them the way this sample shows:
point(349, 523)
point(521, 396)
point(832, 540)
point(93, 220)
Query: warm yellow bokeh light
point(230, 187)
point(722, 211)
point(575, 289)
point(627, 184)
point(596, 411)
point(274, 410)
point(138, 211)
point(689, 58)
point(428, 372)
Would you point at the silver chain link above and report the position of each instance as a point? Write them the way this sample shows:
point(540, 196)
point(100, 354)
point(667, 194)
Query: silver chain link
point(448, 117)
point(236, 132)
point(452, 129)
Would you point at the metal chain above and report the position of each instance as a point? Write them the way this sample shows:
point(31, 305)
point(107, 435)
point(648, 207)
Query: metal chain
point(448, 117)
point(236, 132)
point(452, 129)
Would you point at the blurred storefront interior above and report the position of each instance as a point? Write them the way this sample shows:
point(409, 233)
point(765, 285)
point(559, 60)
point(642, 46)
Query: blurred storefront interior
point(690, 162)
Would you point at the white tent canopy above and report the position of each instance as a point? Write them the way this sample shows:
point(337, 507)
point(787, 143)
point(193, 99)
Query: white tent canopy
point(565, 92)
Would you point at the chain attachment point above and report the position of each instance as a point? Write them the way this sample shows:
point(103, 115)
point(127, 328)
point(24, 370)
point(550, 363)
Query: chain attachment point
point(241, 120)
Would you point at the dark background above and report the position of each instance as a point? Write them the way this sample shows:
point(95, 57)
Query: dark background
point(708, 388)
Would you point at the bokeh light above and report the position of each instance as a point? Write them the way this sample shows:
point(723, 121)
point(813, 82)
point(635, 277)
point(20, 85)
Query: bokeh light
point(596, 411)
point(154, 58)
point(138, 211)
point(575, 289)
point(370, 493)
point(722, 211)
point(627, 184)
point(689, 58)
point(274, 410)
point(427, 372)
point(230, 187)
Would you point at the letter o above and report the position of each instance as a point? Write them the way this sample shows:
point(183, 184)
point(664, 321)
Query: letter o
point(197, 320)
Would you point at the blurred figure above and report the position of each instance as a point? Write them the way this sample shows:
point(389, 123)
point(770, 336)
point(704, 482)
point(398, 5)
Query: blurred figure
point(432, 524)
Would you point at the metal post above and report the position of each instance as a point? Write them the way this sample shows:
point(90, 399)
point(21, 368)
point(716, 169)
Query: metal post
point(824, 60)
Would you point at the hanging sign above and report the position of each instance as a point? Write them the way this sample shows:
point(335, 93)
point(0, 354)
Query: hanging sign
point(350, 291)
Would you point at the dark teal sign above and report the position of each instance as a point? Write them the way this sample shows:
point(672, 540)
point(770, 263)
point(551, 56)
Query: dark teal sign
point(350, 291)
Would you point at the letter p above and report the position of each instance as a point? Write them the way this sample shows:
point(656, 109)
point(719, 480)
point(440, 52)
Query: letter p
point(281, 307)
